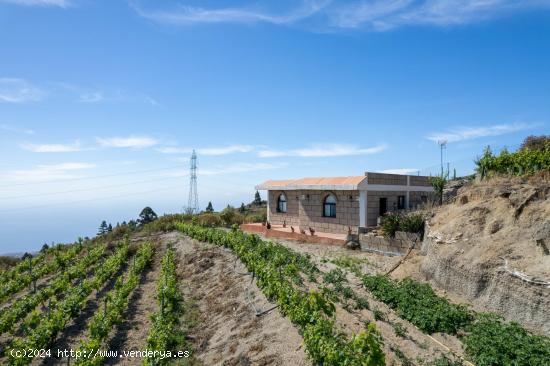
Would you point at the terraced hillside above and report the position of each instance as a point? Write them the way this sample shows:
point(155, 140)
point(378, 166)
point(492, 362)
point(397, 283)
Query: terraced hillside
point(177, 293)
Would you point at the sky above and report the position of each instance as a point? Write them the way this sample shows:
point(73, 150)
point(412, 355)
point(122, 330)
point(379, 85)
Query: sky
point(102, 102)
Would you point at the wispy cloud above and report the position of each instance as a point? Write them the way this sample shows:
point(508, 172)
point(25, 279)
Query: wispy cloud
point(94, 97)
point(230, 169)
point(402, 171)
point(189, 15)
point(13, 90)
point(44, 173)
point(68, 166)
point(329, 150)
point(473, 132)
point(383, 15)
point(378, 15)
point(9, 128)
point(136, 142)
point(58, 3)
point(52, 148)
point(211, 151)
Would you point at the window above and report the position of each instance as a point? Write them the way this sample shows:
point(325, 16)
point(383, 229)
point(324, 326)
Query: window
point(400, 202)
point(329, 207)
point(281, 203)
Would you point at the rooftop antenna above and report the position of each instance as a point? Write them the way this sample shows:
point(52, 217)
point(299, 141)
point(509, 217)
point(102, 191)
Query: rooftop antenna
point(193, 203)
point(442, 145)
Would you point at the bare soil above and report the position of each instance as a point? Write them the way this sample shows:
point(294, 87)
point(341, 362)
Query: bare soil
point(228, 332)
point(417, 347)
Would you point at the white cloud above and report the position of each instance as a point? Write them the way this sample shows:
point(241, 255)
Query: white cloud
point(52, 148)
point(383, 15)
point(68, 166)
point(379, 15)
point(228, 169)
point(329, 150)
point(136, 142)
point(468, 133)
point(240, 168)
point(9, 128)
point(94, 97)
point(44, 173)
point(210, 151)
point(13, 90)
point(402, 171)
point(188, 15)
point(59, 3)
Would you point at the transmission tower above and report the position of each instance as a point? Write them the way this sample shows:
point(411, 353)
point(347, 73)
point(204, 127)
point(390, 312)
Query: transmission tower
point(193, 203)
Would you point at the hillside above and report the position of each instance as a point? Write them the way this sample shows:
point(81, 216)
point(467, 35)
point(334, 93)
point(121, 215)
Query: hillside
point(490, 247)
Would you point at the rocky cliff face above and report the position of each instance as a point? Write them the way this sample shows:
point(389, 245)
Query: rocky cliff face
point(490, 246)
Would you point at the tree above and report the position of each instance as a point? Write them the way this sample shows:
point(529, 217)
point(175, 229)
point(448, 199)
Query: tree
point(110, 228)
point(228, 215)
point(103, 228)
point(535, 142)
point(242, 209)
point(45, 248)
point(147, 215)
point(438, 183)
point(209, 208)
point(257, 199)
point(132, 224)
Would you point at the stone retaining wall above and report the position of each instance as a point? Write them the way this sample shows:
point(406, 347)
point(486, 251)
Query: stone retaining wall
point(399, 245)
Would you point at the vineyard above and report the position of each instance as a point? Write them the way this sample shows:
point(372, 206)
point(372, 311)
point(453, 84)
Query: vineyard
point(178, 293)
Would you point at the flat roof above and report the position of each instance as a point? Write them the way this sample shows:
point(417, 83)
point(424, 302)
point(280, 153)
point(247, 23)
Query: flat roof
point(350, 183)
point(337, 183)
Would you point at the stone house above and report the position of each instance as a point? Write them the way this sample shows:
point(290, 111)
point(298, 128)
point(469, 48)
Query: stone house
point(334, 204)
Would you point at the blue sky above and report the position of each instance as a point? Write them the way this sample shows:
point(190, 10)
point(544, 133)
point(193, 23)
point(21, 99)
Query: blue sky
point(101, 102)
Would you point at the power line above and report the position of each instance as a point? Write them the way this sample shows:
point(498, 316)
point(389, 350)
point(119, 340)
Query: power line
point(90, 199)
point(91, 177)
point(87, 189)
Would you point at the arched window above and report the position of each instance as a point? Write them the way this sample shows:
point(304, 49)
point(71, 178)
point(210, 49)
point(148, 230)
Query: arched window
point(281, 203)
point(329, 206)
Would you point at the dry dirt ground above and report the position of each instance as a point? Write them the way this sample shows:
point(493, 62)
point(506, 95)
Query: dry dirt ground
point(416, 347)
point(227, 330)
point(474, 244)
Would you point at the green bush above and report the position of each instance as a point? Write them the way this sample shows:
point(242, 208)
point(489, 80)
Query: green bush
point(490, 342)
point(520, 163)
point(410, 223)
point(419, 304)
point(390, 223)
point(210, 220)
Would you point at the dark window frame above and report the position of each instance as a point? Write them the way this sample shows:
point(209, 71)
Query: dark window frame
point(281, 203)
point(329, 206)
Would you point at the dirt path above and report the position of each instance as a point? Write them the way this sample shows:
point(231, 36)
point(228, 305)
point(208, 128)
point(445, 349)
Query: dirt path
point(132, 333)
point(228, 332)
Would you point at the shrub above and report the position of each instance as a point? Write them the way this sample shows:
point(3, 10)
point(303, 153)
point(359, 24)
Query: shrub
point(390, 223)
point(526, 161)
point(490, 341)
point(210, 220)
point(535, 142)
point(419, 304)
point(411, 223)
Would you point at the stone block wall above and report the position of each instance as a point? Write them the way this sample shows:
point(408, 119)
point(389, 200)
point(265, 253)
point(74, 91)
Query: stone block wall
point(347, 211)
point(305, 210)
point(383, 178)
point(419, 181)
point(292, 203)
point(391, 246)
